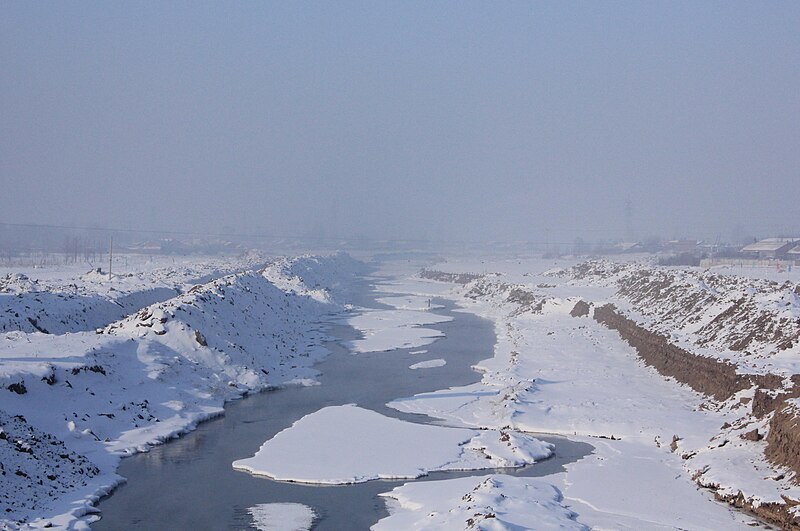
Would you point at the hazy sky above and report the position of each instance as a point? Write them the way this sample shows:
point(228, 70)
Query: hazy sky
point(455, 120)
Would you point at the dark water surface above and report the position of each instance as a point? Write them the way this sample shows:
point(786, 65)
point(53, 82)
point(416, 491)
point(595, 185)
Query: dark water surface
point(189, 483)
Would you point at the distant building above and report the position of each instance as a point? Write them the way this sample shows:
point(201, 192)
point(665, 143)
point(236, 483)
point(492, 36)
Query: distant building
point(681, 246)
point(793, 253)
point(771, 247)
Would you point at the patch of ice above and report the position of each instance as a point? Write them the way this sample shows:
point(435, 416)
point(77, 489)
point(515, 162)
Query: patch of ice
point(428, 364)
point(282, 516)
point(386, 330)
point(410, 302)
point(348, 444)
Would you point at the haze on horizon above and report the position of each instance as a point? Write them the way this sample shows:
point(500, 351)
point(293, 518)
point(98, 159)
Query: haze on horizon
point(450, 120)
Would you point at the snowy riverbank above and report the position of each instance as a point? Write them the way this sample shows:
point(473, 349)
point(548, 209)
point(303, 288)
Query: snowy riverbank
point(556, 373)
point(72, 404)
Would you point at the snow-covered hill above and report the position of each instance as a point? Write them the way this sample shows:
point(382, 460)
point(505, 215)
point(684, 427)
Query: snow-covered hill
point(72, 299)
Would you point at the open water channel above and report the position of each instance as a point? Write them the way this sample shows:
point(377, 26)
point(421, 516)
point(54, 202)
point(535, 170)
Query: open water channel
point(188, 483)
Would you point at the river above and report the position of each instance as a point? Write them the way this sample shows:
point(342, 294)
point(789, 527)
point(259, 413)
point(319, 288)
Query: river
point(188, 483)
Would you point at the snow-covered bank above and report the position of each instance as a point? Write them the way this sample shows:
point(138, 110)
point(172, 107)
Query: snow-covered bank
point(735, 338)
point(347, 444)
point(558, 373)
point(150, 376)
point(75, 298)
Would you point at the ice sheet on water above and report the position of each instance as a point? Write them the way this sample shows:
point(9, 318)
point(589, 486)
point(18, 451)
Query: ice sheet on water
point(282, 516)
point(348, 444)
point(429, 364)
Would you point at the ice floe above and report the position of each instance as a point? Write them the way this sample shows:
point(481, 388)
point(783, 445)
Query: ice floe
point(429, 364)
point(349, 444)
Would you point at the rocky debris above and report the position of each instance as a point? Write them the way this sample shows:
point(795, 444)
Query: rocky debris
point(581, 309)
point(35, 467)
point(200, 339)
point(456, 278)
point(720, 311)
point(481, 288)
point(777, 513)
point(88, 368)
point(674, 444)
point(752, 435)
point(18, 387)
point(594, 269)
point(527, 301)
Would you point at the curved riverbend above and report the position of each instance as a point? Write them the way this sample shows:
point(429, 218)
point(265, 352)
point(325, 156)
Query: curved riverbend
point(189, 483)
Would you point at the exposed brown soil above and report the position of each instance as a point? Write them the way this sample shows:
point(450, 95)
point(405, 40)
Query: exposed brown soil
point(527, 300)
point(673, 301)
point(783, 441)
point(775, 513)
point(580, 309)
point(706, 375)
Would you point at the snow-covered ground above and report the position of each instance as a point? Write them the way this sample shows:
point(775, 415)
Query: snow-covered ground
point(555, 373)
point(74, 400)
point(490, 502)
point(72, 404)
point(77, 297)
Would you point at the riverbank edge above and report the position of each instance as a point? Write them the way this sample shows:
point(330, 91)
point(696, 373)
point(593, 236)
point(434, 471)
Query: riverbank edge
point(712, 378)
point(78, 508)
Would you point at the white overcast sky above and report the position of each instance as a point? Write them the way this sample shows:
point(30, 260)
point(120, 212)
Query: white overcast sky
point(441, 120)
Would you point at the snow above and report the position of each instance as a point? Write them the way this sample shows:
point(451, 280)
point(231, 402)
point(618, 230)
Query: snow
point(438, 362)
point(557, 374)
point(348, 444)
point(70, 299)
point(410, 302)
point(485, 502)
point(582, 380)
point(401, 327)
point(168, 355)
point(153, 375)
point(630, 485)
point(282, 517)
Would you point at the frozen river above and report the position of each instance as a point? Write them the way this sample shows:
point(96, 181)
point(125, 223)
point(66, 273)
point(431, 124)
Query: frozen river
point(189, 483)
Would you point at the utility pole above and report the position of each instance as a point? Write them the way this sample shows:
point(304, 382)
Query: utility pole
point(110, 256)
